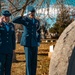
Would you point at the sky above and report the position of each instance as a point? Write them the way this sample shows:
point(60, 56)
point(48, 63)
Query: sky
point(70, 2)
point(53, 1)
point(53, 12)
point(66, 2)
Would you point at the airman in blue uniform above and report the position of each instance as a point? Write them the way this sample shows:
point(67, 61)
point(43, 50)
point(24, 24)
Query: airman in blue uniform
point(7, 43)
point(30, 39)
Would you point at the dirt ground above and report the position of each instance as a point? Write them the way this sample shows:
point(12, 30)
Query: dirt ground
point(18, 67)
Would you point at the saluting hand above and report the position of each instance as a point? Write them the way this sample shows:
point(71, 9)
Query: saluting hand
point(1, 20)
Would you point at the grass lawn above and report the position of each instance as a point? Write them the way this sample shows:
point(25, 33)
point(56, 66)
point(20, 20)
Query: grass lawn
point(18, 68)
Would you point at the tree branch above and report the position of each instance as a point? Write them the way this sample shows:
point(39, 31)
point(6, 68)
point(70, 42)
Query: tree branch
point(12, 4)
point(40, 3)
point(24, 7)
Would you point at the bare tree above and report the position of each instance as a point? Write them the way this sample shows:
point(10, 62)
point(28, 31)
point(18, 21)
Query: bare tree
point(18, 7)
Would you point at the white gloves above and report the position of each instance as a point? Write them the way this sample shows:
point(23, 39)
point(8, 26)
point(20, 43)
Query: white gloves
point(1, 20)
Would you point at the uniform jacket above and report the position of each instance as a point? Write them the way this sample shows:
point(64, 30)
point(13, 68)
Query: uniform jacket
point(29, 37)
point(7, 38)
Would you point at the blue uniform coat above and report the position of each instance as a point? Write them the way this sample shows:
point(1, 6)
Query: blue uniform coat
point(7, 38)
point(29, 37)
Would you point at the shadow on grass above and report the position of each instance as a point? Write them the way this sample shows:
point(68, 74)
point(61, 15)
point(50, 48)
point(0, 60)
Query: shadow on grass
point(18, 61)
point(43, 54)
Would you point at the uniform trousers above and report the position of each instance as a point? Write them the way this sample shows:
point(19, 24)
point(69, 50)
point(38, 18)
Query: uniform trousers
point(5, 64)
point(31, 60)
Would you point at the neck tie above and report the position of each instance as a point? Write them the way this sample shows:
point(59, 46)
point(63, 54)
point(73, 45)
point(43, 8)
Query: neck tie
point(7, 26)
point(33, 20)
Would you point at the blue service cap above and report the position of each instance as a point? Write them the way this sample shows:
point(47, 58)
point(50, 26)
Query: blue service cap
point(6, 13)
point(31, 9)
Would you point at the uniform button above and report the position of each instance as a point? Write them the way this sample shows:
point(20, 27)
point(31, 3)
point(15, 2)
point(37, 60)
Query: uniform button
point(7, 41)
point(7, 37)
point(7, 33)
point(32, 33)
point(0, 42)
